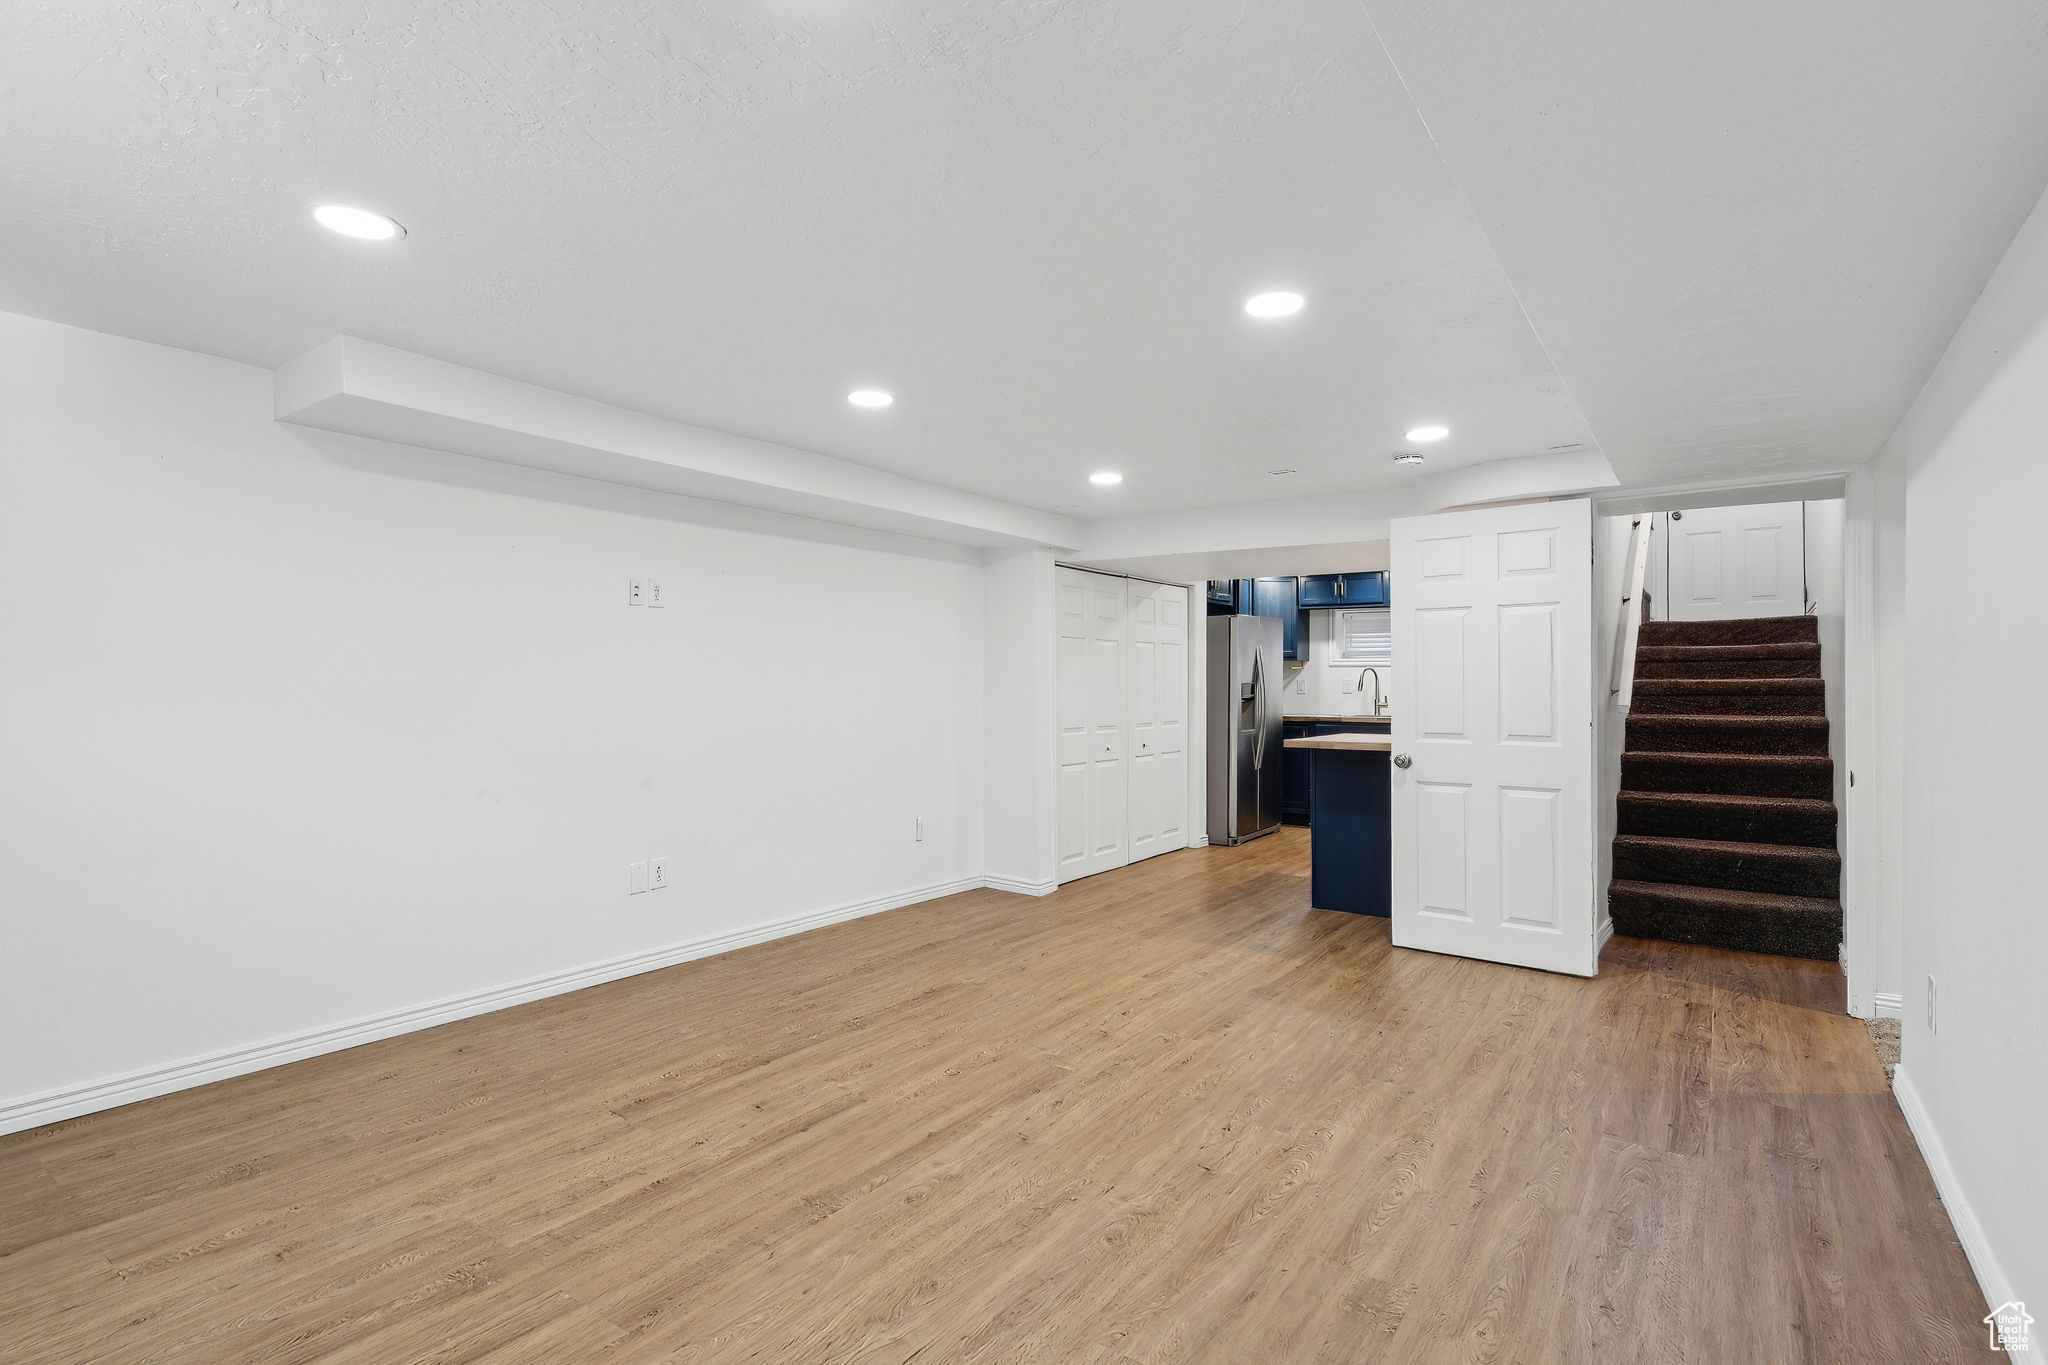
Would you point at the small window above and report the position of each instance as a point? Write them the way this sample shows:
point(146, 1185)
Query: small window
point(1363, 636)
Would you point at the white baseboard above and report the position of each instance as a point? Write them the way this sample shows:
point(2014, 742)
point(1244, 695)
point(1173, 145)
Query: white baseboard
point(1885, 1005)
point(1017, 887)
point(1603, 933)
point(35, 1110)
point(1991, 1277)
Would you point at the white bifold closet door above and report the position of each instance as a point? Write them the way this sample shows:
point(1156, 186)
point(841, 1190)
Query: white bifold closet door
point(1122, 717)
point(1158, 617)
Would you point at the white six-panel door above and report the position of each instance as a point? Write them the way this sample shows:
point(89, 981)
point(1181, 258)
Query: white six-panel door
point(1159, 712)
point(1736, 561)
point(1493, 815)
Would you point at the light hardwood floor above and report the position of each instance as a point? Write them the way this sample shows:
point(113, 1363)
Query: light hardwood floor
point(1170, 1114)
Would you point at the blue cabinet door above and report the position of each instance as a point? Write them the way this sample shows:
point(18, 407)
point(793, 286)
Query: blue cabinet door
point(1319, 590)
point(1365, 589)
point(1230, 597)
point(1297, 774)
point(1276, 597)
point(1322, 591)
point(1351, 852)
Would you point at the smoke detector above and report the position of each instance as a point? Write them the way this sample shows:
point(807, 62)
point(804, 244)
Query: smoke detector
point(1407, 457)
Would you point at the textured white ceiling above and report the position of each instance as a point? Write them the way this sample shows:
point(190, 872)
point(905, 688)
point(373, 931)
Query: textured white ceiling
point(1745, 229)
point(1035, 222)
point(1742, 231)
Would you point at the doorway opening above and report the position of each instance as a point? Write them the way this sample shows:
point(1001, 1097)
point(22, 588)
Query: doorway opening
point(1725, 754)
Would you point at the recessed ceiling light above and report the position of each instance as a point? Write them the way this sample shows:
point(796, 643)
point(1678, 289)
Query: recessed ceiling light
point(1105, 477)
point(1428, 433)
point(870, 398)
point(1408, 457)
point(1280, 303)
point(353, 222)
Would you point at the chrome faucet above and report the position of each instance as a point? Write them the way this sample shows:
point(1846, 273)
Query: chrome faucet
point(1378, 705)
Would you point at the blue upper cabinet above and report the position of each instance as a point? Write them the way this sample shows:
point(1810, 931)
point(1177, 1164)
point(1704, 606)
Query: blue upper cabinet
point(1231, 596)
point(1324, 590)
point(1277, 598)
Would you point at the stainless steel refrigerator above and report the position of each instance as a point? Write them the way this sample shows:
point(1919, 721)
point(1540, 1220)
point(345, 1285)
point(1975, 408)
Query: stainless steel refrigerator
point(1246, 677)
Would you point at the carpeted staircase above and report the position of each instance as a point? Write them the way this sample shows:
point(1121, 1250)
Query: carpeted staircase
point(1726, 833)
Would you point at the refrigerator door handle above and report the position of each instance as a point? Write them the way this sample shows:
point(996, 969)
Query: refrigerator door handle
point(1259, 707)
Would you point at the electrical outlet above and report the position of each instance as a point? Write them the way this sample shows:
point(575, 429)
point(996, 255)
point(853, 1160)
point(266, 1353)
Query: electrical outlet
point(1930, 1005)
point(654, 598)
point(635, 596)
point(636, 878)
point(920, 829)
point(1300, 685)
point(657, 874)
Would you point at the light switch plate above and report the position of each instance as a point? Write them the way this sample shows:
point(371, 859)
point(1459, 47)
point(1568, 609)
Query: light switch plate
point(658, 869)
point(634, 594)
point(636, 878)
point(654, 593)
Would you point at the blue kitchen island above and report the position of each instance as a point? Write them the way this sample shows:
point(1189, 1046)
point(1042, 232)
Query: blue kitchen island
point(1350, 835)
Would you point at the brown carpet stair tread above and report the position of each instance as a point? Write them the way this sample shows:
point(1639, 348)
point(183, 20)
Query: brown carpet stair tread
point(1807, 775)
point(1653, 732)
point(1727, 816)
point(1750, 921)
point(1733, 865)
point(1717, 698)
point(1729, 687)
point(1755, 630)
point(1789, 649)
point(1730, 848)
point(1749, 718)
point(1716, 898)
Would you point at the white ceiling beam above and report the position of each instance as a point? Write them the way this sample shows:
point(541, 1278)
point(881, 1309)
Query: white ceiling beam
point(364, 389)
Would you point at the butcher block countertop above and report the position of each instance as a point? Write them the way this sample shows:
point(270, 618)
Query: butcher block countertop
point(1359, 743)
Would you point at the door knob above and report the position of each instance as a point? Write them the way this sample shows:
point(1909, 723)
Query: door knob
point(1402, 760)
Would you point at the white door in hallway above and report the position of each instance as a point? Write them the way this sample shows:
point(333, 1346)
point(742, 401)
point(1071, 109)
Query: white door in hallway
point(1735, 561)
point(1092, 705)
point(1158, 617)
point(1492, 810)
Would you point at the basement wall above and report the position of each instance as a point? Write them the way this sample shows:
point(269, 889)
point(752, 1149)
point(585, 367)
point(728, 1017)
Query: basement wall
point(1972, 458)
point(306, 739)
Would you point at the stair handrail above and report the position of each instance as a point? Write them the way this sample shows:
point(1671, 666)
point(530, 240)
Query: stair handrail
point(1622, 684)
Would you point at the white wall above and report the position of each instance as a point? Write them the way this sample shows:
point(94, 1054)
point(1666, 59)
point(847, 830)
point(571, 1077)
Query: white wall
point(1019, 722)
point(1322, 688)
point(1888, 487)
point(1972, 456)
point(1610, 726)
point(300, 730)
point(1822, 537)
point(1198, 714)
